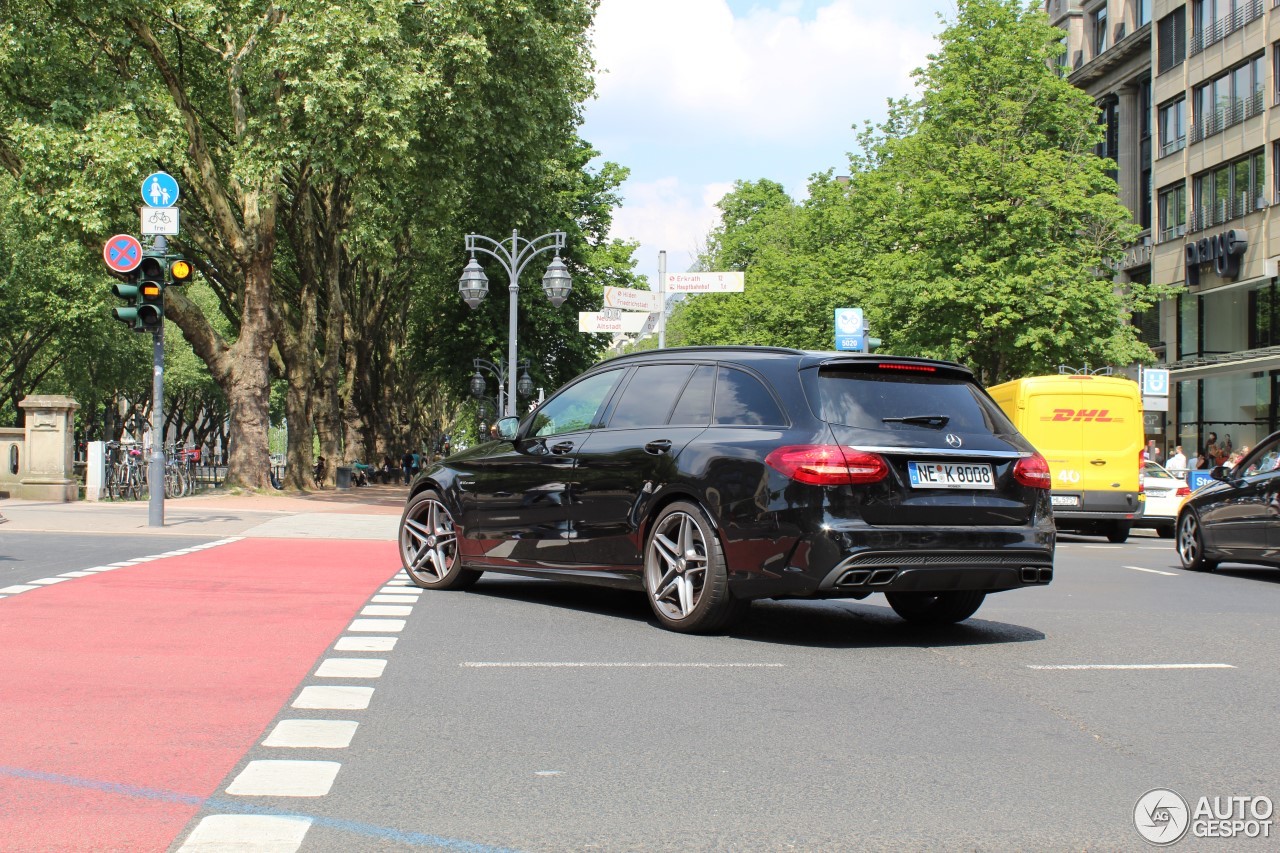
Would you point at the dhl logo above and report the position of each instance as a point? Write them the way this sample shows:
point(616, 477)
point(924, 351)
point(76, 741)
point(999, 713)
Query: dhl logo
point(1101, 416)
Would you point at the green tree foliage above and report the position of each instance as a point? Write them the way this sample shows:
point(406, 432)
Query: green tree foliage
point(978, 223)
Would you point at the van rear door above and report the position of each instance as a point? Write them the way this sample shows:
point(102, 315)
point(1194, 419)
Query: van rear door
point(1112, 431)
point(1053, 428)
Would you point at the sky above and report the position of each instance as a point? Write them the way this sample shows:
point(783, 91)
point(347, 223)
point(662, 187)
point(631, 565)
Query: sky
point(692, 95)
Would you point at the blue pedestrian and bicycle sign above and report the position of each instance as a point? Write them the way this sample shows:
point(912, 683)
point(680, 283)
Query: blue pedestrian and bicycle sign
point(159, 189)
point(850, 329)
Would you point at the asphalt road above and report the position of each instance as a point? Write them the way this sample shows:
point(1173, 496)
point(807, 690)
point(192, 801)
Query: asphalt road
point(538, 716)
point(27, 556)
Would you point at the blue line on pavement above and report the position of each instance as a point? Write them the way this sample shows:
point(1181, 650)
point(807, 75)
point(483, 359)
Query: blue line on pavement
point(238, 807)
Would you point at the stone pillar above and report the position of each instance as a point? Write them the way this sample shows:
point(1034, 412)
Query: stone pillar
point(1128, 165)
point(50, 458)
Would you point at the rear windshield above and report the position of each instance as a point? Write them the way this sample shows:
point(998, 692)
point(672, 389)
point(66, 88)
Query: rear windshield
point(864, 398)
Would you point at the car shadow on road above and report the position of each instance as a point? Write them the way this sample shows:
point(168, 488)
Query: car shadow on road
point(830, 623)
point(1253, 573)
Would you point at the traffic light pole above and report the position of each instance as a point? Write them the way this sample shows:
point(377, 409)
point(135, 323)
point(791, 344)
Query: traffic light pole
point(155, 470)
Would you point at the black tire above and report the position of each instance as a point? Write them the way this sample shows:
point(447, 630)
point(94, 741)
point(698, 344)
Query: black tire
point(936, 608)
point(1191, 544)
point(429, 545)
point(1119, 532)
point(685, 578)
point(1165, 531)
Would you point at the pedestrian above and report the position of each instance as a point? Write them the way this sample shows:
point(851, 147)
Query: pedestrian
point(406, 466)
point(1211, 450)
point(1178, 461)
point(417, 462)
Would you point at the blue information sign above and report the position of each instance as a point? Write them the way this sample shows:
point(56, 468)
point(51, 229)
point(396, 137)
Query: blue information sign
point(850, 329)
point(159, 189)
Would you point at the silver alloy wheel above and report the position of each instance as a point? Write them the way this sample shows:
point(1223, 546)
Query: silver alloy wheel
point(428, 542)
point(677, 565)
point(1190, 549)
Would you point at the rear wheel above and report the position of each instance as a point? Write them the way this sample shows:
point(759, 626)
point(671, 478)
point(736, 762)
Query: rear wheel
point(429, 545)
point(1119, 532)
point(936, 608)
point(1191, 544)
point(685, 575)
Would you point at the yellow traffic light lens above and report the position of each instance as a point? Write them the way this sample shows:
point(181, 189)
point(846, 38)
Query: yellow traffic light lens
point(181, 270)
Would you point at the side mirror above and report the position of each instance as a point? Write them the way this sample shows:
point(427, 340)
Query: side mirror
point(508, 427)
point(1221, 473)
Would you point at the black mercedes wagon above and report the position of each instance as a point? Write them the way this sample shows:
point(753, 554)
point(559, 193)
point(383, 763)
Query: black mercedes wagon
point(707, 477)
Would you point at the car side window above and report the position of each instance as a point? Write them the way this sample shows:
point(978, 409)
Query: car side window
point(1263, 460)
point(649, 395)
point(576, 407)
point(694, 408)
point(742, 400)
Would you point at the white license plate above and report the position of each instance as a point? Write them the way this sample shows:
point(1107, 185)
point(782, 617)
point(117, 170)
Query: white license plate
point(1066, 500)
point(949, 475)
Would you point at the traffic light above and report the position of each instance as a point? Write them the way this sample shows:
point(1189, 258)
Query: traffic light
point(179, 271)
point(128, 291)
point(150, 312)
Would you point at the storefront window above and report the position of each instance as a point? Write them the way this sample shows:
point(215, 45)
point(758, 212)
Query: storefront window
point(1227, 323)
point(1188, 326)
point(1264, 308)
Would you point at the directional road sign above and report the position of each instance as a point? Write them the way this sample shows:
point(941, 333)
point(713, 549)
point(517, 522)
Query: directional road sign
point(159, 189)
point(706, 282)
point(122, 253)
point(630, 299)
point(160, 220)
point(627, 322)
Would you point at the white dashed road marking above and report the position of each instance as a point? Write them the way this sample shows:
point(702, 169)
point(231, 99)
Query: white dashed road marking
point(312, 734)
point(386, 610)
point(351, 668)
point(316, 698)
point(395, 599)
point(365, 644)
point(1153, 571)
point(243, 833)
point(273, 778)
point(394, 626)
point(84, 573)
point(17, 588)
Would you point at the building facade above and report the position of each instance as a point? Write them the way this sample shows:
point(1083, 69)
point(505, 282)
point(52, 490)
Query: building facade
point(1189, 93)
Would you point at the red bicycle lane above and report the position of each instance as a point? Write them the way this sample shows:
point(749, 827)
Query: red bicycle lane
point(128, 696)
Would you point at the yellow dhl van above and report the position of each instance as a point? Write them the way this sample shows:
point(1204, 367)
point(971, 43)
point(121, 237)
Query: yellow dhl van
point(1089, 429)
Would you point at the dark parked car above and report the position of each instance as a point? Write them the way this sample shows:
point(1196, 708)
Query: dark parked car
point(711, 476)
point(1236, 518)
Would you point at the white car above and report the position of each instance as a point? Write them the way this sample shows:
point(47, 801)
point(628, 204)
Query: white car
point(1165, 494)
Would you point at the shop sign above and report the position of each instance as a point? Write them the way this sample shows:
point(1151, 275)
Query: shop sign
point(1224, 251)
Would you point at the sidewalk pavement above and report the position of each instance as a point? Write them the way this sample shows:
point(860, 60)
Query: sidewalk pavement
point(367, 512)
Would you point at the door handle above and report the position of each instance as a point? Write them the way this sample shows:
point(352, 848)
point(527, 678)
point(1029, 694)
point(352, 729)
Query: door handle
point(561, 447)
point(1097, 462)
point(657, 448)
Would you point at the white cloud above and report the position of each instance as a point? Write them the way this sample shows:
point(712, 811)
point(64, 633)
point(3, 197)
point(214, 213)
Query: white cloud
point(669, 215)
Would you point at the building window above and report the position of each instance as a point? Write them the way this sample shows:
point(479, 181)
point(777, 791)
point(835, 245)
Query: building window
point(1099, 19)
point(1214, 20)
point(1171, 39)
point(1144, 12)
point(1144, 153)
point(1109, 118)
point(1173, 126)
point(1228, 99)
point(1173, 211)
point(1229, 191)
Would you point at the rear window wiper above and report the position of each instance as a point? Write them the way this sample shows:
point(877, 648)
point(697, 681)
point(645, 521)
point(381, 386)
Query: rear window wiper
point(938, 421)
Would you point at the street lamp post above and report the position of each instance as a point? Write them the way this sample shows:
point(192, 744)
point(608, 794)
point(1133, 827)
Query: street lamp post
point(474, 284)
point(524, 385)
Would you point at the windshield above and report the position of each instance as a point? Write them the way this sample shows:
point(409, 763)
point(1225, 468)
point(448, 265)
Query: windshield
point(870, 399)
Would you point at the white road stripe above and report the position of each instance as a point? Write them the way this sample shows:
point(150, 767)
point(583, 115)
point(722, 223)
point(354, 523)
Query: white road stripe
point(351, 668)
point(48, 581)
point(318, 698)
point(77, 574)
point(395, 599)
point(247, 833)
point(387, 610)
point(312, 734)
point(1133, 666)
point(17, 588)
point(272, 778)
point(612, 665)
point(365, 644)
point(401, 590)
point(375, 626)
point(1153, 571)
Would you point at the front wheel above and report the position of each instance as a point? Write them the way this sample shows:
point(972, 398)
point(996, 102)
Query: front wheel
point(1191, 544)
point(1165, 531)
point(936, 608)
point(429, 545)
point(685, 576)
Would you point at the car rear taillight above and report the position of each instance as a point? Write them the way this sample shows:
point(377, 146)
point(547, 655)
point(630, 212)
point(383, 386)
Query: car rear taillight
point(1142, 470)
point(1033, 471)
point(1183, 491)
point(827, 464)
